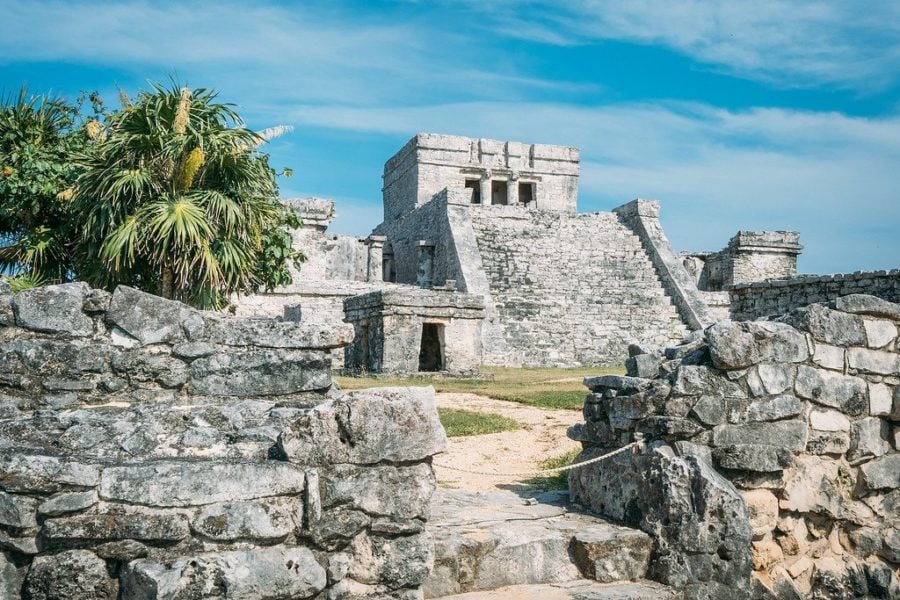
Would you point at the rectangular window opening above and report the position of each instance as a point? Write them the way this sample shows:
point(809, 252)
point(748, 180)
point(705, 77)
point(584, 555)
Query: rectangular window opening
point(498, 192)
point(526, 193)
point(475, 186)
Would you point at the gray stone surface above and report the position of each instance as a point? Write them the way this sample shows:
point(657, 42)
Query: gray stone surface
point(17, 512)
point(850, 394)
point(608, 556)
point(882, 473)
point(367, 427)
point(261, 574)
point(73, 575)
point(260, 373)
point(269, 333)
point(21, 473)
point(140, 526)
point(67, 502)
point(731, 346)
point(829, 326)
point(192, 483)
point(864, 304)
point(9, 577)
point(400, 492)
point(776, 408)
point(790, 435)
point(147, 318)
point(53, 309)
point(250, 521)
point(752, 457)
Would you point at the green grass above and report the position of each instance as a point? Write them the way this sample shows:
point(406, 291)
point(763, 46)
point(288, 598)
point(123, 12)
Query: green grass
point(458, 422)
point(559, 481)
point(541, 387)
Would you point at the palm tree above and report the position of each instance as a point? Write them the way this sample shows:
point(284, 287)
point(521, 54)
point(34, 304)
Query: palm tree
point(180, 201)
point(38, 137)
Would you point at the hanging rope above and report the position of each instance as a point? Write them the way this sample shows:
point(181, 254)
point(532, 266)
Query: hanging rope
point(539, 472)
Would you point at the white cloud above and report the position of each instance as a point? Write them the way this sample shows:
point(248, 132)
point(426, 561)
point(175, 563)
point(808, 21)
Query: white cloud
point(830, 176)
point(790, 42)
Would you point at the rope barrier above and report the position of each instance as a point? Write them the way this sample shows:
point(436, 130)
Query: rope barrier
point(537, 472)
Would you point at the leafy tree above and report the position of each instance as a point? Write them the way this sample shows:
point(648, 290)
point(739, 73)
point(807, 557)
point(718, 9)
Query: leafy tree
point(178, 200)
point(39, 140)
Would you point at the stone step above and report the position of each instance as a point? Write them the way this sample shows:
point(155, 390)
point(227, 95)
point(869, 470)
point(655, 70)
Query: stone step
point(486, 541)
point(579, 589)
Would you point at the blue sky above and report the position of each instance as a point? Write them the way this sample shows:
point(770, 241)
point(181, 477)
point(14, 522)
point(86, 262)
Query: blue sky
point(734, 114)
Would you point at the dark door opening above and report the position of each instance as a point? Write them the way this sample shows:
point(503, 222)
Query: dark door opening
point(475, 186)
point(498, 192)
point(526, 193)
point(431, 352)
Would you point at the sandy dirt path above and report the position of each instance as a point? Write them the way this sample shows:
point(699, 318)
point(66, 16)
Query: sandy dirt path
point(542, 436)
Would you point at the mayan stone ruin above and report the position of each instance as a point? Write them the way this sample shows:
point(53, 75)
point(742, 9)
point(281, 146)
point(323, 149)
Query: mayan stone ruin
point(150, 450)
point(492, 226)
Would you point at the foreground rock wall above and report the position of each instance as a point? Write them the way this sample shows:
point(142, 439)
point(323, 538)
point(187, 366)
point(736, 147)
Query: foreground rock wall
point(776, 297)
point(148, 450)
point(798, 417)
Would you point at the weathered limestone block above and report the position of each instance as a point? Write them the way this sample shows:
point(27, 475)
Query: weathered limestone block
point(863, 304)
point(67, 502)
point(398, 492)
point(608, 556)
point(54, 309)
point(850, 394)
point(731, 346)
point(882, 473)
point(17, 512)
point(773, 409)
point(830, 357)
point(139, 366)
point(44, 474)
point(877, 362)
point(334, 529)
point(753, 457)
point(828, 420)
point(829, 326)
point(643, 365)
point(762, 510)
point(624, 385)
point(696, 380)
point(879, 333)
point(192, 350)
point(267, 520)
point(73, 575)
point(367, 427)
point(880, 403)
point(259, 574)
point(138, 525)
point(148, 318)
point(790, 435)
point(396, 562)
point(817, 485)
point(9, 576)
point(827, 442)
point(270, 333)
point(778, 342)
point(775, 378)
point(869, 437)
point(260, 373)
point(192, 483)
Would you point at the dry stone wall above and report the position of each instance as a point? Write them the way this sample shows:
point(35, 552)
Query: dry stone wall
point(773, 444)
point(148, 451)
point(567, 288)
point(774, 297)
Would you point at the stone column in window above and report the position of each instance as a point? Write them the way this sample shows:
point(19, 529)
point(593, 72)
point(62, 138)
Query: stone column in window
point(512, 189)
point(486, 187)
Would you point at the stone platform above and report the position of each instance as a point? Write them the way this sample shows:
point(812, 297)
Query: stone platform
point(500, 545)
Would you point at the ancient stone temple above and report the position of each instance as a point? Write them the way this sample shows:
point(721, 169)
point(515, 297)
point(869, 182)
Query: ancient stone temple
point(494, 224)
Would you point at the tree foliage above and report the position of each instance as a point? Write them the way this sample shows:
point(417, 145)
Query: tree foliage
point(41, 140)
point(170, 194)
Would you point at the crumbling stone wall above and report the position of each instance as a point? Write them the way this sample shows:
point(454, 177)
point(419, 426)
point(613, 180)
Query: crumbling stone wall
point(800, 416)
point(764, 298)
point(148, 450)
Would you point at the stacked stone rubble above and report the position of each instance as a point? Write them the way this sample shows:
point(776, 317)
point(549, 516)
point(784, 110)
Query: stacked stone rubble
point(797, 417)
point(148, 450)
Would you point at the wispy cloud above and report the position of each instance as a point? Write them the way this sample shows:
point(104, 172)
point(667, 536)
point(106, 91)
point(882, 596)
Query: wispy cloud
point(788, 42)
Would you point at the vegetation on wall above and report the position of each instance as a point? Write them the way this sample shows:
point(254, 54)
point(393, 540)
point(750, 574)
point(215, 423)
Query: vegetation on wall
point(170, 194)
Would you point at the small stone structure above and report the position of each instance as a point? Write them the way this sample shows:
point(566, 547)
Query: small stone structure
point(772, 457)
point(414, 330)
point(149, 450)
point(750, 256)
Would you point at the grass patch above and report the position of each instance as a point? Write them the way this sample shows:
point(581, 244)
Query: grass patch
point(458, 422)
point(541, 387)
point(558, 481)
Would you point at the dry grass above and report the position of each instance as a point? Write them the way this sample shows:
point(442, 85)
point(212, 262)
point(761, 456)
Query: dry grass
point(541, 387)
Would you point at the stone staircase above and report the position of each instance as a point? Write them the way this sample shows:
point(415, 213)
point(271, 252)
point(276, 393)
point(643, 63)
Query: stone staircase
point(500, 546)
point(569, 288)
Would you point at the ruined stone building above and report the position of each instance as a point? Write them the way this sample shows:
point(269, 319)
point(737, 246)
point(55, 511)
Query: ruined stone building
point(482, 259)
